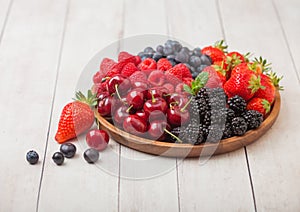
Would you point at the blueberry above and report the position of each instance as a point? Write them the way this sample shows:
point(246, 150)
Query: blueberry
point(32, 157)
point(201, 67)
point(160, 49)
point(173, 62)
point(182, 57)
point(68, 150)
point(195, 61)
point(91, 155)
point(58, 158)
point(197, 51)
point(157, 56)
point(149, 50)
point(168, 50)
point(205, 60)
point(194, 74)
point(185, 49)
point(192, 69)
point(176, 46)
point(171, 56)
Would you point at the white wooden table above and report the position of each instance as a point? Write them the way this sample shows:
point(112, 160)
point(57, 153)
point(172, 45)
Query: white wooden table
point(44, 46)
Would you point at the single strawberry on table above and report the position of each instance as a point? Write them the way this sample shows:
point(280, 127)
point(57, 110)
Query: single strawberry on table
point(76, 117)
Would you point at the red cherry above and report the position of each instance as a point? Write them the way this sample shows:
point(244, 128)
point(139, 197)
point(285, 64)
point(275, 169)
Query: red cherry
point(142, 114)
point(156, 130)
point(157, 92)
point(135, 125)
point(155, 104)
point(177, 99)
point(136, 98)
point(97, 139)
point(120, 114)
point(177, 117)
point(107, 105)
point(119, 82)
point(138, 84)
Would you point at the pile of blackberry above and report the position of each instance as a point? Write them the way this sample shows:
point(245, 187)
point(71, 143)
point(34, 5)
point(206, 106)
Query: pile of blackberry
point(176, 53)
point(213, 118)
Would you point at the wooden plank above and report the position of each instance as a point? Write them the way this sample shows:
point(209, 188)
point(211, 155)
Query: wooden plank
point(148, 183)
point(273, 159)
point(77, 185)
point(28, 58)
point(221, 184)
point(289, 17)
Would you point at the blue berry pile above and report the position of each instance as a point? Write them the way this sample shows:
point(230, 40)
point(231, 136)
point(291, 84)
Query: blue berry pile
point(176, 53)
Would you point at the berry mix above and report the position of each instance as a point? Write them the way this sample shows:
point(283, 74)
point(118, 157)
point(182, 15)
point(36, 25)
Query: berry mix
point(170, 94)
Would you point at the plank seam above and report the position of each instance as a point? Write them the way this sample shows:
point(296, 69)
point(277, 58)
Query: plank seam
point(177, 179)
point(250, 179)
point(121, 35)
point(53, 99)
point(285, 39)
point(5, 20)
point(220, 19)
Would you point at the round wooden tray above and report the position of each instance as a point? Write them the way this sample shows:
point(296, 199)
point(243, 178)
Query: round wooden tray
point(188, 150)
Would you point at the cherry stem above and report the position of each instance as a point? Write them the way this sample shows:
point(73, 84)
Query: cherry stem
point(174, 136)
point(185, 106)
point(118, 94)
point(98, 124)
point(153, 98)
point(129, 108)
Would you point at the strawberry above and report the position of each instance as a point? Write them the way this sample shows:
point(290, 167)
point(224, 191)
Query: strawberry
point(106, 65)
point(129, 69)
point(261, 105)
point(216, 52)
point(240, 68)
point(164, 64)
point(244, 83)
point(270, 83)
point(76, 117)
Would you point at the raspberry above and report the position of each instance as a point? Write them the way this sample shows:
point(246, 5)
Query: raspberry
point(188, 81)
point(185, 71)
point(138, 76)
point(171, 78)
point(97, 78)
point(147, 65)
point(106, 65)
point(125, 56)
point(214, 80)
point(112, 72)
point(129, 69)
point(156, 78)
point(170, 87)
point(164, 64)
point(138, 60)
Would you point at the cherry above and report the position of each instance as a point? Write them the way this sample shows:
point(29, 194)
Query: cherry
point(177, 99)
point(136, 98)
point(120, 114)
point(106, 105)
point(138, 84)
point(153, 104)
point(118, 82)
point(135, 125)
point(157, 115)
point(142, 114)
point(97, 139)
point(157, 129)
point(177, 116)
point(157, 92)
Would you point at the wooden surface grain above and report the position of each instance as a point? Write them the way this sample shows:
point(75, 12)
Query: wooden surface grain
point(44, 48)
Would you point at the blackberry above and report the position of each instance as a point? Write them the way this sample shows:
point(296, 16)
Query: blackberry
point(194, 110)
point(203, 101)
point(215, 133)
point(253, 118)
point(237, 104)
point(206, 120)
point(203, 130)
point(227, 133)
point(190, 133)
point(175, 131)
point(229, 115)
point(239, 126)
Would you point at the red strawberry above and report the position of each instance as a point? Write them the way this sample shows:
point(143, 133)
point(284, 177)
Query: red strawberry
point(216, 52)
point(236, 56)
point(260, 105)
point(244, 84)
point(164, 64)
point(106, 65)
point(76, 117)
point(129, 69)
point(270, 84)
point(148, 65)
point(239, 68)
